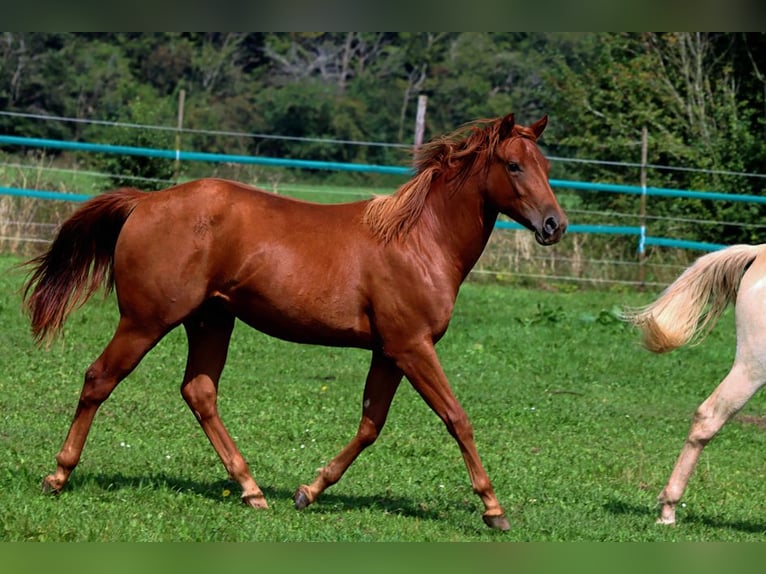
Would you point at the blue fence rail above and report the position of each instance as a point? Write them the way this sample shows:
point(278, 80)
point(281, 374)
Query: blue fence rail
point(181, 155)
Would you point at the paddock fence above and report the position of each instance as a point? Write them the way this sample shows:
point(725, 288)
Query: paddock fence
point(608, 248)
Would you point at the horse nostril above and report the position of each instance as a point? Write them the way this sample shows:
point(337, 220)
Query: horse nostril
point(550, 225)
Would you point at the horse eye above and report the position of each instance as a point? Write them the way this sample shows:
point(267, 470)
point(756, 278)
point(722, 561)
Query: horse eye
point(513, 167)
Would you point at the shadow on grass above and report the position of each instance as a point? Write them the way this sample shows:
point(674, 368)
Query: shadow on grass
point(329, 502)
point(650, 513)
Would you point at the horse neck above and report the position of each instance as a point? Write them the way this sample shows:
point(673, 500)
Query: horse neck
point(460, 222)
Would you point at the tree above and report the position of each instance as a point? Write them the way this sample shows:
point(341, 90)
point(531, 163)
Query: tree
point(138, 171)
point(680, 87)
point(32, 69)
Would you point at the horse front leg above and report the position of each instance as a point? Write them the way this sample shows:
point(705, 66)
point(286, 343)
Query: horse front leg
point(383, 379)
point(725, 401)
point(423, 369)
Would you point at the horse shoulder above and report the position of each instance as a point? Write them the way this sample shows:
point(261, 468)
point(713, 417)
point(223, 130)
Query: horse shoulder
point(409, 300)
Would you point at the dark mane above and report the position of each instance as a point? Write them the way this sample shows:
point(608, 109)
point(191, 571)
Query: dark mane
point(456, 154)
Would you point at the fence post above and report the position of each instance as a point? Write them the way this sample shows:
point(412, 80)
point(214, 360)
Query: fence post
point(420, 120)
point(642, 210)
point(179, 127)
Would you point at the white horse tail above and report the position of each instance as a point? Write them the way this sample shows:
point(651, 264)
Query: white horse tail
point(693, 303)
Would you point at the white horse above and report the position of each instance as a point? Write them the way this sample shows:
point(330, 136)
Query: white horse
point(688, 309)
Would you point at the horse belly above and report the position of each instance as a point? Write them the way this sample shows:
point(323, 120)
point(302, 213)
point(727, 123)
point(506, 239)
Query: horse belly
point(304, 317)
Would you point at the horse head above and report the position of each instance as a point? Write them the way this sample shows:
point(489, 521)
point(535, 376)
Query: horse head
point(517, 181)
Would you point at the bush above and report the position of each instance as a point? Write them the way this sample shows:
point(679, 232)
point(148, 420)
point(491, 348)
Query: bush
point(138, 170)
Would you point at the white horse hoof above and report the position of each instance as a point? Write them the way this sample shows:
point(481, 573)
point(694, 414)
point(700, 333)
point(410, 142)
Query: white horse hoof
point(668, 521)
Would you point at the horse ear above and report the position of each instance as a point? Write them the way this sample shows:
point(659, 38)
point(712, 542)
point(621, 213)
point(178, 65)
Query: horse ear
point(539, 126)
point(506, 126)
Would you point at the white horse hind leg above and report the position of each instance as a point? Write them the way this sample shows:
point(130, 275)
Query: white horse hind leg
point(747, 375)
point(730, 396)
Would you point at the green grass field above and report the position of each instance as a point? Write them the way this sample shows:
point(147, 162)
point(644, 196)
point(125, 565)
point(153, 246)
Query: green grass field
point(577, 426)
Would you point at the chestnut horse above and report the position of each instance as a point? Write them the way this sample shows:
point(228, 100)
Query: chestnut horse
point(688, 308)
point(381, 274)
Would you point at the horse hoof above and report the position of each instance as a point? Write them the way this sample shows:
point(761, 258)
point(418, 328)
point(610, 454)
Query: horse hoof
point(49, 487)
point(301, 499)
point(666, 521)
point(498, 521)
point(256, 500)
point(667, 514)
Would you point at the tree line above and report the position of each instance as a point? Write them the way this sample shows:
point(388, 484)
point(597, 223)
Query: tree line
point(700, 96)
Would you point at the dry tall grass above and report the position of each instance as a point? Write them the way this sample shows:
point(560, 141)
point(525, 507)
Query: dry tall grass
point(28, 224)
point(580, 259)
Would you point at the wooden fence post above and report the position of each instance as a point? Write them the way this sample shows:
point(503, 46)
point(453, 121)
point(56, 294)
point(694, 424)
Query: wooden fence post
point(420, 120)
point(179, 127)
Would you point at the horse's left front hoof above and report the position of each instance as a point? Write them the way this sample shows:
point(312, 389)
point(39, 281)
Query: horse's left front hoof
point(498, 521)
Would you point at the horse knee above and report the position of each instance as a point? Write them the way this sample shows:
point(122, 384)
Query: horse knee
point(201, 398)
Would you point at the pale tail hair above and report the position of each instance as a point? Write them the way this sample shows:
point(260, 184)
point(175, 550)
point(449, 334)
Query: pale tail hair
point(688, 308)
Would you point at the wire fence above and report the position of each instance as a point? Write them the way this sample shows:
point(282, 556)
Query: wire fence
point(605, 247)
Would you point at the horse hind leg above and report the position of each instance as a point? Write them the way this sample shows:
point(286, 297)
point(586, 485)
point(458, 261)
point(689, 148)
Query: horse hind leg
point(128, 346)
point(209, 332)
point(727, 399)
point(383, 379)
point(746, 377)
